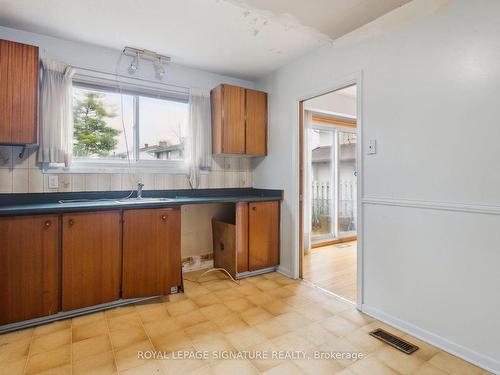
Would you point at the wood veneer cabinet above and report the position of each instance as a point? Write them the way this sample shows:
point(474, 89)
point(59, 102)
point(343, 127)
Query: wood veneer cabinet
point(263, 235)
point(151, 252)
point(19, 69)
point(29, 264)
point(91, 258)
point(239, 121)
point(251, 242)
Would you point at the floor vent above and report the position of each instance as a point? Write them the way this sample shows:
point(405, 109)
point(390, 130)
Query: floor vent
point(394, 341)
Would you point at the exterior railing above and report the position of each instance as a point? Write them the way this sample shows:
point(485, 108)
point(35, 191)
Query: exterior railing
point(321, 204)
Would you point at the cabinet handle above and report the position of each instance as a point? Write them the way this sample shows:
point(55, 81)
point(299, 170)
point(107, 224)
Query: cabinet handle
point(47, 224)
point(164, 217)
point(254, 208)
point(71, 222)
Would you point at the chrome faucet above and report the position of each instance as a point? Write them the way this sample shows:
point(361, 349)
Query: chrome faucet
point(140, 185)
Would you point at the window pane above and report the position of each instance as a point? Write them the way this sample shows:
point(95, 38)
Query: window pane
point(97, 121)
point(162, 127)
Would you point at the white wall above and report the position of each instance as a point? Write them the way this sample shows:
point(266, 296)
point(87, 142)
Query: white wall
point(430, 94)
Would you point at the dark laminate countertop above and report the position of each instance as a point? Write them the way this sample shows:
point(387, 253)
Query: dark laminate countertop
point(38, 203)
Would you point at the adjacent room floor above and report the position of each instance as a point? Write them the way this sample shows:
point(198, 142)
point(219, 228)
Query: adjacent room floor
point(333, 268)
point(264, 313)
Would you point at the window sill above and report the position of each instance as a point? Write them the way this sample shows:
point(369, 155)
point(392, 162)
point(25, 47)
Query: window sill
point(143, 167)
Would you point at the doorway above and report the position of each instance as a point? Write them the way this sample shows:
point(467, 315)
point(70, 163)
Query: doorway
point(329, 139)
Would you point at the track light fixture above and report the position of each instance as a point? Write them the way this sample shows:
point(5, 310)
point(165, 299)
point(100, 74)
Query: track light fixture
point(134, 65)
point(159, 68)
point(159, 61)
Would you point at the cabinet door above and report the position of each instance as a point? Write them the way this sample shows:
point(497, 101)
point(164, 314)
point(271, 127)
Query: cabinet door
point(91, 258)
point(18, 92)
point(241, 237)
point(233, 115)
point(256, 122)
point(29, 286)
point(263, 235)
point(151, 251)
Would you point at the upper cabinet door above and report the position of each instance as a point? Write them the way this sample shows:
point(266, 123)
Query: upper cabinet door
point(91, 258)
point(239, 121)
point(233, 117)
point(151, 251)
point(29, 276)
point(18, 93)
point(228, 119)
point(256, 123)
point(263, 235)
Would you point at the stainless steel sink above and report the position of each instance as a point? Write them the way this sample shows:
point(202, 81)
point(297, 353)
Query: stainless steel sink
point(120, 201)
point(142, 200)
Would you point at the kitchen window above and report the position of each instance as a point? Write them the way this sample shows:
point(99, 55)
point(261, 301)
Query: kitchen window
point(121, 127)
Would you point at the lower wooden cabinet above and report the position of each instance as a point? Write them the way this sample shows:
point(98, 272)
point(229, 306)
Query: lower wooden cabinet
point(52, 263)
point(263, 235)
point(252, 242)
point(91, 258)
point(151, 251)
point(29, 277)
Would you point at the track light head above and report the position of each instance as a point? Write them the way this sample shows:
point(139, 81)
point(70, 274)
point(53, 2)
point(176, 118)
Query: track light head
point(134, 65)
point(159, 61)
point(160, 68)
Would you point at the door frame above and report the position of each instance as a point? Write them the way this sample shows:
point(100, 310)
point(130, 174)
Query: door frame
point(352, 79)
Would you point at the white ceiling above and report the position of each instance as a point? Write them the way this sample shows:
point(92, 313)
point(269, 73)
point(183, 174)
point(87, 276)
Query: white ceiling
point(241, 38)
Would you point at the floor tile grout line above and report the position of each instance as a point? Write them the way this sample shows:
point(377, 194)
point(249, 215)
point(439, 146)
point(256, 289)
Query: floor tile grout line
point(29, 352)
point(110, 340)
point(71, 347)
point(146, 332)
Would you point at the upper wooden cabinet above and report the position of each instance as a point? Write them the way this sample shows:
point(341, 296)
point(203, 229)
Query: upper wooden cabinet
point(18, 93)
point(29, 267)
point(151, 252)
point(256, 122)
point(239, 121)
point(91, 258)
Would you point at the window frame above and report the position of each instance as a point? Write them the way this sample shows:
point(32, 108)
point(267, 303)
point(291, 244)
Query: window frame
point(136, 165)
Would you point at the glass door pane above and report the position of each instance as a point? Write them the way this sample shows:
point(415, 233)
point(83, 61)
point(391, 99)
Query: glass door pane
point(323, 173)
point(347, 186)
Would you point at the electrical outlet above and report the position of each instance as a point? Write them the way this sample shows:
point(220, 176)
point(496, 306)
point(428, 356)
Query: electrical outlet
point(372, 147)
point(53, 181)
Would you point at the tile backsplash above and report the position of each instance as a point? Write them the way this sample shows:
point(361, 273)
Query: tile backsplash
point(24, 175)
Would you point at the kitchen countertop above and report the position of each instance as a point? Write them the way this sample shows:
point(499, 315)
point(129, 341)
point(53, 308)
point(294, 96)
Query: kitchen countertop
point(41, 203)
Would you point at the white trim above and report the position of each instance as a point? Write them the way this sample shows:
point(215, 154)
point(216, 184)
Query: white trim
point(102, 166)
point(355, 78)
point(478, 359)
point(478, 208)
point(286, 272)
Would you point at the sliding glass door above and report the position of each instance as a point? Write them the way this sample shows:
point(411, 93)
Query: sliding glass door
point(333, 171)
point(323, 180)
point(346, 183)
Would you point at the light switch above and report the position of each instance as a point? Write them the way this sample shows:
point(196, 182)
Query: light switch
point(53, 181)
point(372, 147)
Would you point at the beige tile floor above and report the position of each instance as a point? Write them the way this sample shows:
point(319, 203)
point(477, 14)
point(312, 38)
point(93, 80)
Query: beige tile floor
point(265, 313)
point(333, 268)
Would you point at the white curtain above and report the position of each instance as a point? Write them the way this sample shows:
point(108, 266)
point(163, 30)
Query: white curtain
point(199, 140)
point(56, 120)
point(307, 187)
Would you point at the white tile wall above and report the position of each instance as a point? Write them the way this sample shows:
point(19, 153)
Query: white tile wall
point(23, 175)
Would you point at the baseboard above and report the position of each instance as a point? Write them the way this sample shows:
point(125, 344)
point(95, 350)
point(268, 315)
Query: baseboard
point(485, 362)
point(285, 272)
